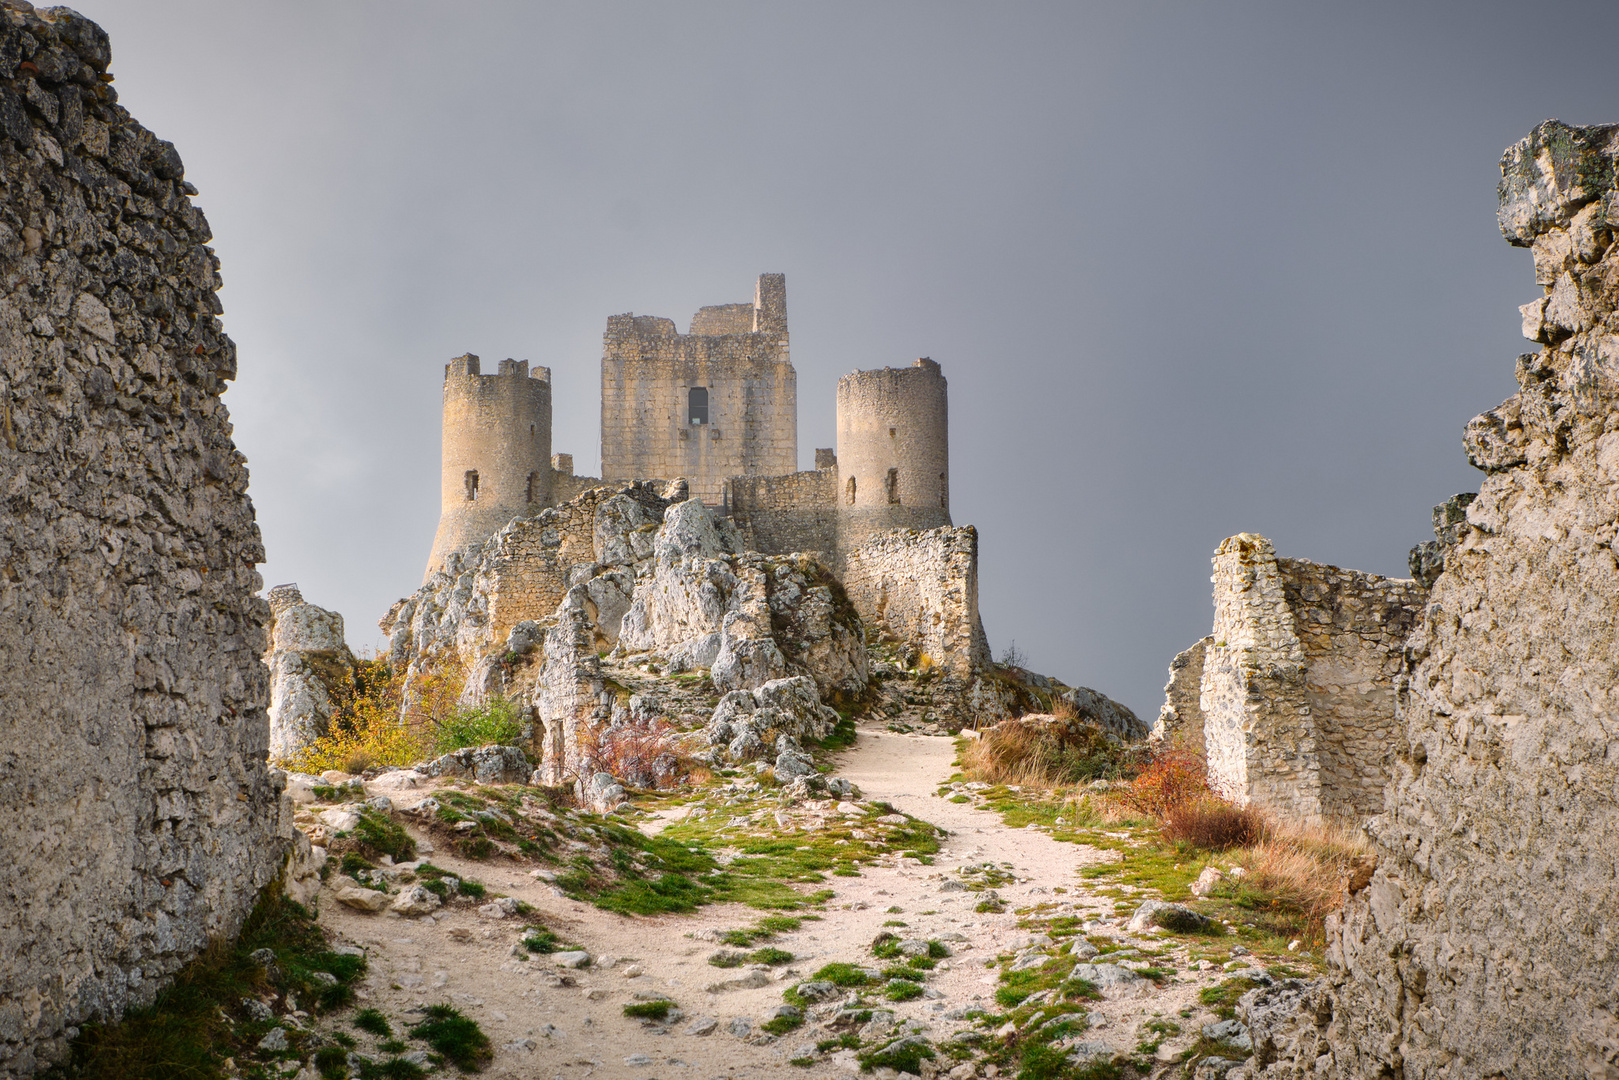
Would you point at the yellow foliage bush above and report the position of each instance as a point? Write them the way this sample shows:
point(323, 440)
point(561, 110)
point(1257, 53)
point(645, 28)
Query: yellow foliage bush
point(367, 728)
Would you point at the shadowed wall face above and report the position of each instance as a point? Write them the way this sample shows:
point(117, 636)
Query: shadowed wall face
point(141, 818)
point(719, 402)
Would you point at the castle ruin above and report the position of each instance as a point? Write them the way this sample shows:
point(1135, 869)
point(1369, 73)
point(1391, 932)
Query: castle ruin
point(717, 408)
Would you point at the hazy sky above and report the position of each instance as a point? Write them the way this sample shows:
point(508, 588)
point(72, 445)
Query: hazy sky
point(1191, 269)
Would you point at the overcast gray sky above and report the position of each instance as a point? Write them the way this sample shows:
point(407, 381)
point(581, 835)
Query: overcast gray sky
point(1191, 269)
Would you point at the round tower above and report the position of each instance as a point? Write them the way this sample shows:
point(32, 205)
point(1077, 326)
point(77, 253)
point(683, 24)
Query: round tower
point(893, 451)
point(497, 452)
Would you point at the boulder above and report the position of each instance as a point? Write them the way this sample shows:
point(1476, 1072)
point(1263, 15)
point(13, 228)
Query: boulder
point(1175, 917)
point(485, 764)
point(360, 898)
point(601, 794)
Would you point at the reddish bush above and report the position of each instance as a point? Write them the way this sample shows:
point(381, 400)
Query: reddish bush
point(1176, 775)
point(641, 755)
point(1214, 824)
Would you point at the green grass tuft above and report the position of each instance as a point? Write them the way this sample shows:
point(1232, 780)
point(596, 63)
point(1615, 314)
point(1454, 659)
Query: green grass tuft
point(648, 1010)
point(459, 1039)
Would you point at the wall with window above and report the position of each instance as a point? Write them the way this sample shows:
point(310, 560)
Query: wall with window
point(718, 402)
point(893, 451)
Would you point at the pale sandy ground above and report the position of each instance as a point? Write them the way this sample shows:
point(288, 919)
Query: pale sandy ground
point(579, 1030)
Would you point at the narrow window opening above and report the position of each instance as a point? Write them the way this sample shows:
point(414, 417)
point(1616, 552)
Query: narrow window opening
point(531, 479)
point(944, 491)
point(697, 405)
point(531, 431)
point(893, 486)
point(472, 485)
point(850, 488)
point(891, 432)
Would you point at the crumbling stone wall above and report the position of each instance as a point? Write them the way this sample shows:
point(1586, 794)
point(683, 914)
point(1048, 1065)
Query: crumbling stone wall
point(922, 587)
point(776, 515)
point(141, 817)
point(311, 669)
point(1181, 716)
point(1484, 943)
point(1297, 694)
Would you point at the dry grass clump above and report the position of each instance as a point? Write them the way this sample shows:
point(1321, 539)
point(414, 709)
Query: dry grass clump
point(1302, 869)
point(1047, 751)
point(1214, 824)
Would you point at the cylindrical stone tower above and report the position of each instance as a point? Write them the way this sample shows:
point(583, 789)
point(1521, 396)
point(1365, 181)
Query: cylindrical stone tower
point(893, 452)
point(497, 452)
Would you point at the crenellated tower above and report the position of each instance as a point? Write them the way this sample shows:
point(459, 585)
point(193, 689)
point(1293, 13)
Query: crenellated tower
point(497, 452)
point(893, 451)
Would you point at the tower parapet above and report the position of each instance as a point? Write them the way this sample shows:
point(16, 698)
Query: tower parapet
point(497, 452)
point(893, 451)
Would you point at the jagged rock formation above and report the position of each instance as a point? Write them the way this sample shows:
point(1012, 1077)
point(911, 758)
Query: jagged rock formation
point(141, 818)
point(1483, 944)
point(1182, 715)
point(311, 668)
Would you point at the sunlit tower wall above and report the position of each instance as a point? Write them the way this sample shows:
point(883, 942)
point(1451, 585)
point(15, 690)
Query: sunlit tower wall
point(893, 451)
point(497, 452)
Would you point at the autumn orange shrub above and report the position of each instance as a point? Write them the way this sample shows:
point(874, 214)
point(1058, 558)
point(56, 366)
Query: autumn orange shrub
point(1175, 776)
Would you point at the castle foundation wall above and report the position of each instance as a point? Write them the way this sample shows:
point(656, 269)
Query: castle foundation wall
point(922, 587)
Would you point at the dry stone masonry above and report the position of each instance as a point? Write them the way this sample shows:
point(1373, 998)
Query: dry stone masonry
point(1296, 687)
point(1484, 943)
point(142, 820)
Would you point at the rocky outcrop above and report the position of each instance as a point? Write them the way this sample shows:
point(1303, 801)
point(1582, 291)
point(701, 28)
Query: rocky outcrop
point(141, 818)
point(1482, 944)
point(773, 722)
point(311, 671)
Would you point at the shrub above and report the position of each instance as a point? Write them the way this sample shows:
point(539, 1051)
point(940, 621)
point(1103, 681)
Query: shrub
point(1175, 776)
point(496, 721)
point(648, 1010)
point(639, 754)
point(1214, 824)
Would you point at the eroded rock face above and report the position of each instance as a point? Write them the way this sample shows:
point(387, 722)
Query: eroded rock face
point(311, 668)
point(141, 818)
point(1483, 944)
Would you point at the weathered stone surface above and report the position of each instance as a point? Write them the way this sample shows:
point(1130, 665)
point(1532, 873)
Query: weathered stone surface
point(1182, 716)
point(1482, 943)
point(142, 820)
point(311, 669)
point(1298, 688)
point(486, 764)
point(774, 719)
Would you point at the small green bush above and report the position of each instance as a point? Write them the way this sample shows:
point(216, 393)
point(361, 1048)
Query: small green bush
point(459, 1039)
point(648, 1010)
point(902, 990)
point(496, 722)
point(374, 1022)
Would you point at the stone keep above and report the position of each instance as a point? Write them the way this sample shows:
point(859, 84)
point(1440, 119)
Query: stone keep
point(1484, 944)
point(496, 462)
point(717, 402)
point(142, 820)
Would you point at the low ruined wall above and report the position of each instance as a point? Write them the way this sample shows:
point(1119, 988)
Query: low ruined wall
point(566, 487)
point(1297, 694)
point(776, 515)
point(141, 818)
point(922, 588)
point(311, 671)
point(1484, 944)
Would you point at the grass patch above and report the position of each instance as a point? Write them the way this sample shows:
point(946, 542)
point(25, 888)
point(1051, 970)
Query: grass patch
point(843, 975)
point(459, 1039)
point(648, 1010)
point(374, 1022)
point(902, 990)
point(200, 1020)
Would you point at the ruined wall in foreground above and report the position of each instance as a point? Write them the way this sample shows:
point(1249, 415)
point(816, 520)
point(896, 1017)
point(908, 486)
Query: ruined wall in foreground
point(1181, 717)
point(141, 818)
point(922, 588)
point(1298, 689)
point(1484, 944)
point(311, 671)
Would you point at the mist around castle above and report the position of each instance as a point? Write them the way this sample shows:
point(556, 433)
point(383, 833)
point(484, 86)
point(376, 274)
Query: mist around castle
point(710, 765)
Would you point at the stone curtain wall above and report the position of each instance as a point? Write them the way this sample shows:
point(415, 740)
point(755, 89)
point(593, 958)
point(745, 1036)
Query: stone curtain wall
point(647, 371)
point(922, 588)
point(781, 514)
point(1485, 942)
point(1353, 628)
point(141, 818)
point(1297, 694)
